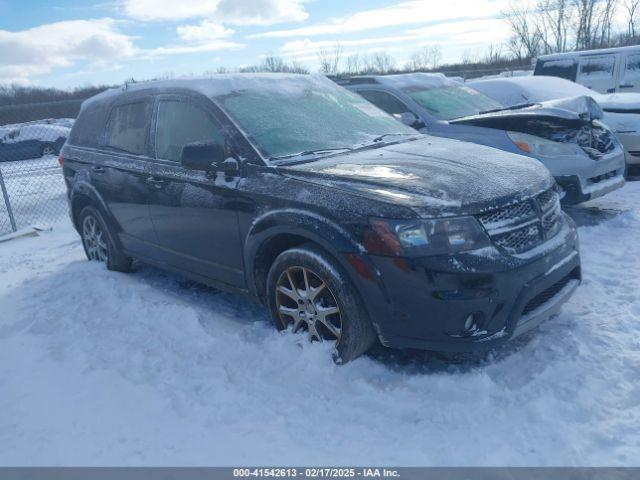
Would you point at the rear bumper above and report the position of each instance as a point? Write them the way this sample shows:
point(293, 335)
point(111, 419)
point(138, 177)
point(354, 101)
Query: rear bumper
point(431, 299)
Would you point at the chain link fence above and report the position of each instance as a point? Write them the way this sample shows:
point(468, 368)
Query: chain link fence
point(32, 188)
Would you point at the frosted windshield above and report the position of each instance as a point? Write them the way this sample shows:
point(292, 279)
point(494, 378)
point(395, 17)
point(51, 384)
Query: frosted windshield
point(281, 123)
point(449, 102)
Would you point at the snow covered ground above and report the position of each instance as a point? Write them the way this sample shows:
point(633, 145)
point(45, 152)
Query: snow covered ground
point(102, 368)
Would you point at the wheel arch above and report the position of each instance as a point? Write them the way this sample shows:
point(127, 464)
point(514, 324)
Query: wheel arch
point(84, 194)
point(277, 231)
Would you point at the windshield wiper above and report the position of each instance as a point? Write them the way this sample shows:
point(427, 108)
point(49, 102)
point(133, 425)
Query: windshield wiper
point(513, 107)
point(382, 137)
point(311, 152)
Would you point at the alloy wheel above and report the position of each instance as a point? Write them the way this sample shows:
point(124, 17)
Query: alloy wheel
point(47, 150)
point(306, 302)
point(94, 241)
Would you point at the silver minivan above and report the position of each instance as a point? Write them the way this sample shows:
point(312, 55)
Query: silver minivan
point(583, 155)
point(609, 70)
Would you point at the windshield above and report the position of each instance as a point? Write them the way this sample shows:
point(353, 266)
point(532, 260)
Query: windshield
point(449, 102)
point(318, 117)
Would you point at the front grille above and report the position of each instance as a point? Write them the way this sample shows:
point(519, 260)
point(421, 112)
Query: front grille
point(546, 295)
point(635, 153)
point(522, 226)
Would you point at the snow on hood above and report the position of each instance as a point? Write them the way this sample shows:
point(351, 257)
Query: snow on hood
point(619, 102)
point(434, 172)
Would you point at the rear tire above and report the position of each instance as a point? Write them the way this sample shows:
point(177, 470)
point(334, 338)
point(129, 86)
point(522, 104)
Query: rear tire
point(47, 149)
point(308, 291)
point(98, 241)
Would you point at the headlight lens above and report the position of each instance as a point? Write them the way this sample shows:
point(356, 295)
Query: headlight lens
point(425, 237)
point(541, 146)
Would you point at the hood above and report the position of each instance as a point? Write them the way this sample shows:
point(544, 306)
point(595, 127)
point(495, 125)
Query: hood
point(436, 175)
point(619, 102)
point(579, 109)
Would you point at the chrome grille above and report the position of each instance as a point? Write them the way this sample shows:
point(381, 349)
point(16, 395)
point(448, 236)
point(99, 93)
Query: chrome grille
point(522, 226)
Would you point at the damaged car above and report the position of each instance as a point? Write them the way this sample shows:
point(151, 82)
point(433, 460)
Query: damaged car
point(621, 111)
point(581, 152)
point(349, 226)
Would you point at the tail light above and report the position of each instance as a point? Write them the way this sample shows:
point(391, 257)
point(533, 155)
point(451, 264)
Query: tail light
point(61, 160)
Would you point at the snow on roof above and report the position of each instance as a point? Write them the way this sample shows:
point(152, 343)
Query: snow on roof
point(604, 51)
point(224, 84)
point(422, 80)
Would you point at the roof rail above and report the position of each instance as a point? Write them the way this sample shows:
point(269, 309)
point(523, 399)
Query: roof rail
point(355, 80)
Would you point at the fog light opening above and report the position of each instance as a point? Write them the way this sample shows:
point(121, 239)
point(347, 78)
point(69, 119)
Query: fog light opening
point(473, 323)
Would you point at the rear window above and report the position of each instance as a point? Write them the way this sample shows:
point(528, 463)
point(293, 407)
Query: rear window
point(564, 68)
point(128, 127)
point(597, 67)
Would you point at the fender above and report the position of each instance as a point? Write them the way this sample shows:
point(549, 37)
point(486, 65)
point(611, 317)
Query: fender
point(318, 229)
point(82, 187)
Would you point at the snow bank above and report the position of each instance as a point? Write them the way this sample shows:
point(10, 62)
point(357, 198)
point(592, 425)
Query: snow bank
point(103, 368)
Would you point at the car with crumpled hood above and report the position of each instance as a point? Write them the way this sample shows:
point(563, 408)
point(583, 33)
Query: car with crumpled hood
point(621, 111)
point(580, 151)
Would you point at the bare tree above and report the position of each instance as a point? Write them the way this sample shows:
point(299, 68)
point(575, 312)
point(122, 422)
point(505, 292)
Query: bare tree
point(330, 60)
point(552, 18)
point(382, 62)
point(526, 37)
point(425, 59)
point(631, 9)
point(354, 63)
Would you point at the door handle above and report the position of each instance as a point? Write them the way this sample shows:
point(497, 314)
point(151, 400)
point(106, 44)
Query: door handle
point(98, 170)
point(626, 85)
point(155, 182)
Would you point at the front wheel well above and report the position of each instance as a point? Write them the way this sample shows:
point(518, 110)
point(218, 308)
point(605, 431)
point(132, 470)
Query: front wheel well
point(267, 254)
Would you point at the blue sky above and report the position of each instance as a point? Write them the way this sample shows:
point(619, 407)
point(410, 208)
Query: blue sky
point(68, 43)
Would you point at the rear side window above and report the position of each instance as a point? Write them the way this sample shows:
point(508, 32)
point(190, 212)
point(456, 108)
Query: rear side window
point(564, 68)
point(385, 101)
point(632, 66)
point(128, 127)
point(87, 129)
point(597, 67)
point(180, 123)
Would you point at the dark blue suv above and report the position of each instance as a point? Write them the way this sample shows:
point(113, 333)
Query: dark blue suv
point(347, 224)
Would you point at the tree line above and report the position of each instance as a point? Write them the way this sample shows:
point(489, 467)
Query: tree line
point(536, 27)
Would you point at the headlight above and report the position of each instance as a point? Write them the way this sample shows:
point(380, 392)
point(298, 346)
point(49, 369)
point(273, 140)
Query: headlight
point(541, 146)
point(425, 237)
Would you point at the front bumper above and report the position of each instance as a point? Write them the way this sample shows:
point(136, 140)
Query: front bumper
point(432, 298)
point(577, 191)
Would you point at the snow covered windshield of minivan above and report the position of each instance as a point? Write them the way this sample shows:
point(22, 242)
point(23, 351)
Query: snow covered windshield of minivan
point(453, 101)
point(285, 123)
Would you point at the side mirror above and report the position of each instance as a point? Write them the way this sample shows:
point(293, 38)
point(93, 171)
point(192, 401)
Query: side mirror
point(201, 155)
point(408, 118)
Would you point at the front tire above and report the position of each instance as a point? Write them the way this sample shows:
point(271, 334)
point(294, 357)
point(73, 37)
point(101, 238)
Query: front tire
point(310, 292)
point(98, 242)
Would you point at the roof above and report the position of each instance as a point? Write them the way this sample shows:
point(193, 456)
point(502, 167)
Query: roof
point(603, 51)
point(222, 84)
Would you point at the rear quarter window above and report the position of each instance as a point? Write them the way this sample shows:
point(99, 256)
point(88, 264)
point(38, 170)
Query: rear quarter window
point(562, 68)
point(128, 127)
point(632, 66)
point(89, 127)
